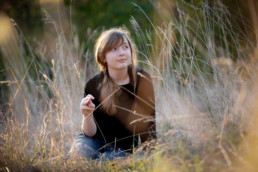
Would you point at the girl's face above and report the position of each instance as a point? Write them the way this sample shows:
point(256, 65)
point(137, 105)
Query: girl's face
point(119, 57)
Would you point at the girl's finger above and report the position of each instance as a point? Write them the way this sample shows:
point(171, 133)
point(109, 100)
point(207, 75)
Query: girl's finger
point(92, 105)
point(87, 108)
point(85, 101)
point(90, 96)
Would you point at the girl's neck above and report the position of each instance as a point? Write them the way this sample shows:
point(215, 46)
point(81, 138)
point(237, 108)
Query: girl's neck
point(120, 77)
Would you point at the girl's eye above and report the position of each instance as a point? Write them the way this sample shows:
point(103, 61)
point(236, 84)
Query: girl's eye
point(126, 46)
point(114, 49)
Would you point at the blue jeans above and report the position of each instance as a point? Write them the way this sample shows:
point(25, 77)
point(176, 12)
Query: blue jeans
point(89, 148)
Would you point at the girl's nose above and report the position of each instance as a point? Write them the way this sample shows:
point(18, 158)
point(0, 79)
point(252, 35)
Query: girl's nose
point(121, 51)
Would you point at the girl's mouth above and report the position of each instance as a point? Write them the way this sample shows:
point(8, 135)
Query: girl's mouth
point(122, 60)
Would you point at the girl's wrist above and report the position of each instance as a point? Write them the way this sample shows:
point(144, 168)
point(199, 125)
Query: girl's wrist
point(87, 116)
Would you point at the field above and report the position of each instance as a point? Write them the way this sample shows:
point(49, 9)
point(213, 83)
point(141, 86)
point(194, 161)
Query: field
point(205, 79)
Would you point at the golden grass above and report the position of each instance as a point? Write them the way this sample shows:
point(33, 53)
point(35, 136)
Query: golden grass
point(203, 123)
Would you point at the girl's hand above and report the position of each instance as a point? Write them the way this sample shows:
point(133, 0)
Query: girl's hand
point(86, 105)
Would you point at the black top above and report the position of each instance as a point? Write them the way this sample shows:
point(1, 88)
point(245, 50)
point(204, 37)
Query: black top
point(125, 127)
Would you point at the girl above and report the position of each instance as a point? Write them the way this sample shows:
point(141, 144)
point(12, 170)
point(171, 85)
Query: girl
point(118, 106)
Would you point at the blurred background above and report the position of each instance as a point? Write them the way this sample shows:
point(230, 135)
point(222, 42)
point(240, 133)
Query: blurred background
point(201, 54)
point(85, 19)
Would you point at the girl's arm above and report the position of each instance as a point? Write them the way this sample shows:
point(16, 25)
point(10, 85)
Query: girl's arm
point(88, 124)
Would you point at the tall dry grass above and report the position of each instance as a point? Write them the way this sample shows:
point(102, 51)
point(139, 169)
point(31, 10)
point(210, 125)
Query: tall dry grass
point(202, 90)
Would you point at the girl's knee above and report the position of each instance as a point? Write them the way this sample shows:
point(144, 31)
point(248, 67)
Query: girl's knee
point(84, 147)
point(82, 151)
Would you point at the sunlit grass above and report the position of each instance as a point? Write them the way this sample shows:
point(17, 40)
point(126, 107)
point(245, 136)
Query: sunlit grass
point(201, 90)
